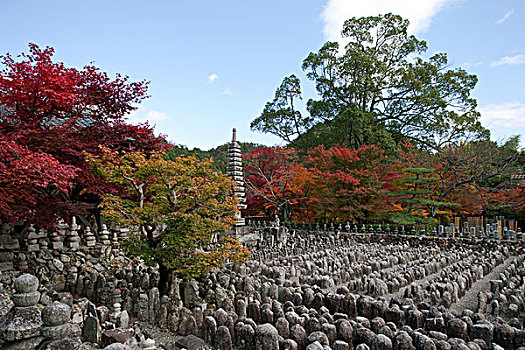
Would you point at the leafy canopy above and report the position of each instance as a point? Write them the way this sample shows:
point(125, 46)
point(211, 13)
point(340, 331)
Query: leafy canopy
point(268, 173)
point(348, 185)
point(280, 116)
point(29, 181)
point(180, 206)
point(52, 114)
point(380, 74)
point(413, 201)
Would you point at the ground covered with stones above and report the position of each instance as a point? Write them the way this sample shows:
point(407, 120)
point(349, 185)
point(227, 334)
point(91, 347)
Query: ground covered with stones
point(310, 291)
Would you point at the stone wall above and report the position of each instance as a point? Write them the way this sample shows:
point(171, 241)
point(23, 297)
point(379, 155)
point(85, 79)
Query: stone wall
point(67, 324)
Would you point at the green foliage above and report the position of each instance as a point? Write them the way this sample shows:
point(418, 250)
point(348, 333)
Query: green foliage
point(280, 116)
point(179, 206)
point(219, 154)
point(414, 200)
point(352, 127)
point(176, 151)
point(383, 86)
point(414, 218)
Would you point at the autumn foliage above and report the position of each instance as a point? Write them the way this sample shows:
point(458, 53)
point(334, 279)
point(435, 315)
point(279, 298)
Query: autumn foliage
point(29, 180)
point(52, 115)
point(349, 183)
point(182, 207)
point(339, 184)
point(49, 115)
point(267, 177)
point(335, 183)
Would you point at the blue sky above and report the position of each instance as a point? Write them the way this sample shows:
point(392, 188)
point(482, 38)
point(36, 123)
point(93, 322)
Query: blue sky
point(214, 64)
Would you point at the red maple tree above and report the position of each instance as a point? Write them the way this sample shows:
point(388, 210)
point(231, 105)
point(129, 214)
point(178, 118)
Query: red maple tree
point(350, 184)
point(267, 177)
point(29, 181)
point(50, 115)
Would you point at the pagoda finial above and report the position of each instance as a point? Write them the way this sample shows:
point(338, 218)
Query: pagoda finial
point(234, 138)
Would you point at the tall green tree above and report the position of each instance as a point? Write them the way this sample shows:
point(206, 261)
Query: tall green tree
point(352, 127)
point(280, 116)
point(381, 74)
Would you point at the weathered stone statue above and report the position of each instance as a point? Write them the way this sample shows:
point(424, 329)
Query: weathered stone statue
point(276, 222)
point(20, 327)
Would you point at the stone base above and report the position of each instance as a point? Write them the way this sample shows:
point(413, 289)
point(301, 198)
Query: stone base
point(57, 245)
point(25, 344)
point(20, 323)
point(6, 266)
point(73, 245)
point(190, 342)
point(33, 248)
point(118, 335)
point(58, 332)
point(7, 242)
point(62, 344)
point(6, 256)
point(25, 300)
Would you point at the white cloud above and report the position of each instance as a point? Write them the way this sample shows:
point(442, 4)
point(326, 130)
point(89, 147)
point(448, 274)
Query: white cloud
point(508, 115)
point(227, 92)
point(468, 65)
point(505, 17)
point(212, 78)
point(509, 61)
point(419, 12)
point(152, 117)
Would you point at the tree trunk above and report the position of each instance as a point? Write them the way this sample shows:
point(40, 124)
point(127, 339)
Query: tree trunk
point(166, 281)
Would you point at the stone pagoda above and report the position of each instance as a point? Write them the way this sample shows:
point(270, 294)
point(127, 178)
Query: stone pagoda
point(236, 174)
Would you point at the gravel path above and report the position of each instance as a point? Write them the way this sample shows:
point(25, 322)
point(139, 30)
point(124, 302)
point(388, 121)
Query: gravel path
point(470, 299)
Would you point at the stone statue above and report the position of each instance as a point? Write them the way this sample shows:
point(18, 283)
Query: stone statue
point(276, 222)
